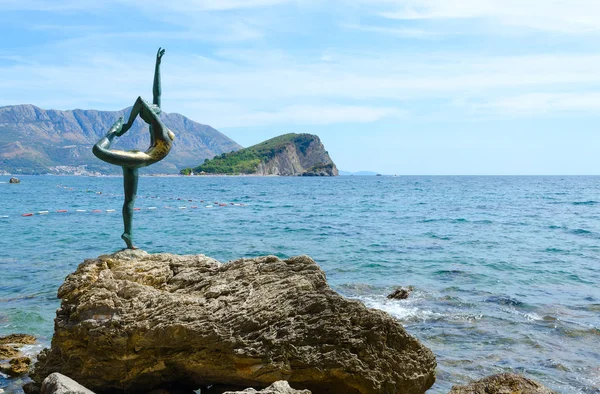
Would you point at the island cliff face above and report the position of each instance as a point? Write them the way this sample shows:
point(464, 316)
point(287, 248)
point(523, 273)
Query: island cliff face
point(38, 141)
point(295, 159)
point(287, 155)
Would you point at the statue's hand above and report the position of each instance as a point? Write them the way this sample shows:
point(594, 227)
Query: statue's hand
point(159, 55)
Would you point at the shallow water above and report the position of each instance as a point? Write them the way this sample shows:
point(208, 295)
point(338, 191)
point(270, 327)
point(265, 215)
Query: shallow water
point(505, 269)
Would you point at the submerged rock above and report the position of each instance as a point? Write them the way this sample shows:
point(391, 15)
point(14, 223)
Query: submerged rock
point(135, 321)
point(505, 383)
point(60, 384)
point(400, 293)
point(279, 387)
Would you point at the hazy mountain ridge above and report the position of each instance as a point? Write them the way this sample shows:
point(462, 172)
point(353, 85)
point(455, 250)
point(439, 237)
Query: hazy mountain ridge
point(34, 140)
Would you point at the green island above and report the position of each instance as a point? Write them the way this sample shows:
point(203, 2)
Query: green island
point(287, 154)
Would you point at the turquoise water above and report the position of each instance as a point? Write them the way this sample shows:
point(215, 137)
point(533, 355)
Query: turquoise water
point(506, 269)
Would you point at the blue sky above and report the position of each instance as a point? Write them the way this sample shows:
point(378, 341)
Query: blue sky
point(393, 86)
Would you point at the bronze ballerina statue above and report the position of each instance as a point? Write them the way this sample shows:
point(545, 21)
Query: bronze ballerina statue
point(161, 140)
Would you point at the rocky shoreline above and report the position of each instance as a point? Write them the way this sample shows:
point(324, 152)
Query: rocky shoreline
point(135, 322)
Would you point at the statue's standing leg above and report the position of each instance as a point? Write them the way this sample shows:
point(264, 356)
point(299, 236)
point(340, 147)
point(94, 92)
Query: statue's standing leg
point(130, 184)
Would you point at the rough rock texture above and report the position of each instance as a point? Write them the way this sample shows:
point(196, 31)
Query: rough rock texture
point(400, 293)
point(7, 352)
point(13, 362)
point(279, 387)
point(297, 159)
point(506, 383)
point(133, 321)
point(16, 366)
point(34, 140)
point(60, 384)
point(14, 180)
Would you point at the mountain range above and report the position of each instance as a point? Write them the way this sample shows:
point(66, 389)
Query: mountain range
point(38, 141)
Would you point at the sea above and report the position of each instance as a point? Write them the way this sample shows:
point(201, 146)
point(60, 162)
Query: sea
point(505, 270)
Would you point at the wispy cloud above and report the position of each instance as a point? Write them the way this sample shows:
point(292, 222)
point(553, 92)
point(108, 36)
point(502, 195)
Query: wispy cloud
point(189, 6)
point(572, 16)
point(542, 104)
point(310, 115)
point(243, 71)
point(400, 32)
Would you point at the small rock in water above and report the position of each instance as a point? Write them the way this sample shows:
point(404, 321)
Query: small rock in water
point(22, 339)
point(501, 384)
point(14, 180)
point(400, 293)
point(17, 366)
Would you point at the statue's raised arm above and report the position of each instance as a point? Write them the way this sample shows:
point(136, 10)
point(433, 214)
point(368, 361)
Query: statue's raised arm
point(156, 89)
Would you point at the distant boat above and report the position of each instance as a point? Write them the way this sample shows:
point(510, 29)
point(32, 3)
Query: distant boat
point(378, 175)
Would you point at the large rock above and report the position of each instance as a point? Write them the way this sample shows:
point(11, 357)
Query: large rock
point(60, 384)
point(279, 387)
point(505, 383)
point(135, 321)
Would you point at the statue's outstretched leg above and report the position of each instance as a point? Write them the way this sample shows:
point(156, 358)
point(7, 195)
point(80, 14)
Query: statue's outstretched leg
point(130, 184)
point(148, 112)
point(135, 111)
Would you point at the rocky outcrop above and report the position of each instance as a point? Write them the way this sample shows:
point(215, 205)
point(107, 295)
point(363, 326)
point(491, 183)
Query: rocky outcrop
point(60, 384)
point(400, 293)
point(308, 158)
point(52, 141)
point(135, 321)
point(506, 383)
point(279, 387)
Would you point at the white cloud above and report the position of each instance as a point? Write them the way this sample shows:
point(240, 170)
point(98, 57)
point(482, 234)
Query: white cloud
point(310, 115)
point(543, 103)
point(180, 6)
point(400, 32)
point(48, 6)
point(571, 16)
point(187, 6)
point(260, 88)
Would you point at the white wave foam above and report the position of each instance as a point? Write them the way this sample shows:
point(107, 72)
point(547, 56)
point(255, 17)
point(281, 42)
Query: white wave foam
point(401, 310)
point(31, 350)
point(531, 316)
